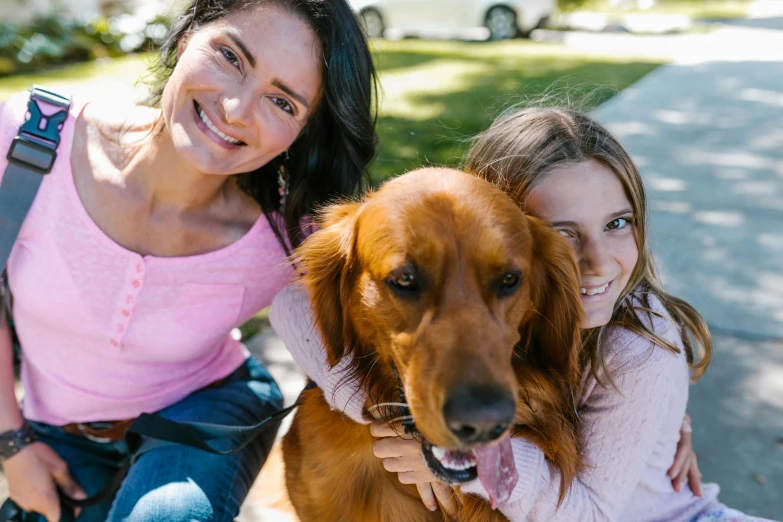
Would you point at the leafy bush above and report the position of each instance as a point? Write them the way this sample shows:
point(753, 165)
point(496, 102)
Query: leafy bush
point(53, 40)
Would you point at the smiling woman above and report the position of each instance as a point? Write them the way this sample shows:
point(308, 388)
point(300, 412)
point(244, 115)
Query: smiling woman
point(315, 76)
point(239, 97)
point(157, 232)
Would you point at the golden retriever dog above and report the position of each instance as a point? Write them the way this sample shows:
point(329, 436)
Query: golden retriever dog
point(460, 313)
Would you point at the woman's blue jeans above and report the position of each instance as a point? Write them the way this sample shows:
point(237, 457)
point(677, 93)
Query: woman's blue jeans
point(176, 483)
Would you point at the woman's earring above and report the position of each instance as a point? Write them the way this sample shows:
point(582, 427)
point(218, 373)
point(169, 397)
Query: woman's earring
point(282, 182)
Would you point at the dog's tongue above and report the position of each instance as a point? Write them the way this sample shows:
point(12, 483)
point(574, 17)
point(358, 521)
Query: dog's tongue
point(496, 470)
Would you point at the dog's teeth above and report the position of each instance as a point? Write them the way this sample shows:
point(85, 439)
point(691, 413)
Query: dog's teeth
point(453, 462)
point(458, 467)
point(438, 453)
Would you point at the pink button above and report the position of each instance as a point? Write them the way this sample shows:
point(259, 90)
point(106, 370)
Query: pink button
point(129, 299)
point(114, 343)
point(120, 328)
point(125, 313)
point(136, 283)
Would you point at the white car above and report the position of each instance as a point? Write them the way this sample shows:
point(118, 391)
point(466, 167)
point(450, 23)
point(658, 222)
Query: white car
point(502, 18)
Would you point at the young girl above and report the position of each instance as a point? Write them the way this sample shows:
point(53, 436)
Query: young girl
point(158, 231)
point(641, 345)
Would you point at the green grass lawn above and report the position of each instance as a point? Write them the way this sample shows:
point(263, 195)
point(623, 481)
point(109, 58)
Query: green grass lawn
point(438, 94)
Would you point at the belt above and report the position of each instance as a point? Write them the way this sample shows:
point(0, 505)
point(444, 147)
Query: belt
point(114, 431)
point(111, 431)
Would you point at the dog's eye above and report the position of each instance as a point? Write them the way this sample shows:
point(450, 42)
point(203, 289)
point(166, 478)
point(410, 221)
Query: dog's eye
point(509, 283)
point(404, 281)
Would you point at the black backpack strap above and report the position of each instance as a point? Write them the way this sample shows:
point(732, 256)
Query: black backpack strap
point(31, 155)
point(198, 434)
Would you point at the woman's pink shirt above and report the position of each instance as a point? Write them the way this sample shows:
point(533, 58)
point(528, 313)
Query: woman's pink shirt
point(106, 333)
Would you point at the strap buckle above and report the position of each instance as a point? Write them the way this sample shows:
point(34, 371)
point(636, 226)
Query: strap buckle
point(52, 98)
point(32, 154)
point(36, 144)
point(89, 434)
point(41, 126)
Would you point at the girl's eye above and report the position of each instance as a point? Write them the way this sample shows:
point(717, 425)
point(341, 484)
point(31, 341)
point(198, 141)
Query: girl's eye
point(283, 104)
point(618, 224)
point(230, 56)
point(565, 233)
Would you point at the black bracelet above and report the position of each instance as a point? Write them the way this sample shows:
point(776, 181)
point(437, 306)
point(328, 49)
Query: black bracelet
point(12, 442)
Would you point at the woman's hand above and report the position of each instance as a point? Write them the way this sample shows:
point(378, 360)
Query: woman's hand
point(33, 477)
point(401, 454)
point(685, 464)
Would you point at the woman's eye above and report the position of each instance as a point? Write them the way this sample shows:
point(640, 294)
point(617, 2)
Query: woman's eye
point(283, 104)
point(617, 224)
point(230, 56)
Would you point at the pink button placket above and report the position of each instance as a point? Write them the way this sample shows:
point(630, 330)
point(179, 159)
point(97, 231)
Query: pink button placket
point(124, 313)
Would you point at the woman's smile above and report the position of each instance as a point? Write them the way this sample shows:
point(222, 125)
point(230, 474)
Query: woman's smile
point(205, 123)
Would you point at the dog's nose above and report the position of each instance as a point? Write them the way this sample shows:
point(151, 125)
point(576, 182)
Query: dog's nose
point(479, 414)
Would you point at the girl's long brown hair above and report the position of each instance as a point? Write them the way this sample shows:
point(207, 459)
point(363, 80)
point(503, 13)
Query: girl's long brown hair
point(522, 147)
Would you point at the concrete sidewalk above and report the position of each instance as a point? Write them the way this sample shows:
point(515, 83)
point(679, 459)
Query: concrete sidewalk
point(707, 134)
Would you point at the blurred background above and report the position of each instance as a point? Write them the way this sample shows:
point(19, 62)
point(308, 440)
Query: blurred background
point(693, 88)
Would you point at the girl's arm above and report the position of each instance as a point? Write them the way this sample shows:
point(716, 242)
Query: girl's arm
point(618, 432)
point(292, 318)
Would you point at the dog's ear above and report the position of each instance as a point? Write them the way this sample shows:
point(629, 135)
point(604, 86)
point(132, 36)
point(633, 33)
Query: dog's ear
point(552, 334)
point(326, 258)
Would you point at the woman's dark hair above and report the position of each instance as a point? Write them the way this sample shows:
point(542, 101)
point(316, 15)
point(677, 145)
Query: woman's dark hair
point(330, 157)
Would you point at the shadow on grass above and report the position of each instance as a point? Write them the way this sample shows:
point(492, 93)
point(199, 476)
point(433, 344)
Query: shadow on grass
point(469, 100)
point(386, 61)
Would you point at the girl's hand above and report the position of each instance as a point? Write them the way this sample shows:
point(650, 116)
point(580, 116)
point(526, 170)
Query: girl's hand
point(401, 454)
point(685, 465)
point(34, 474)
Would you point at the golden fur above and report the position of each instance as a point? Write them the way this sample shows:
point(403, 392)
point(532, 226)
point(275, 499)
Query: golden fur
point(461, 234)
